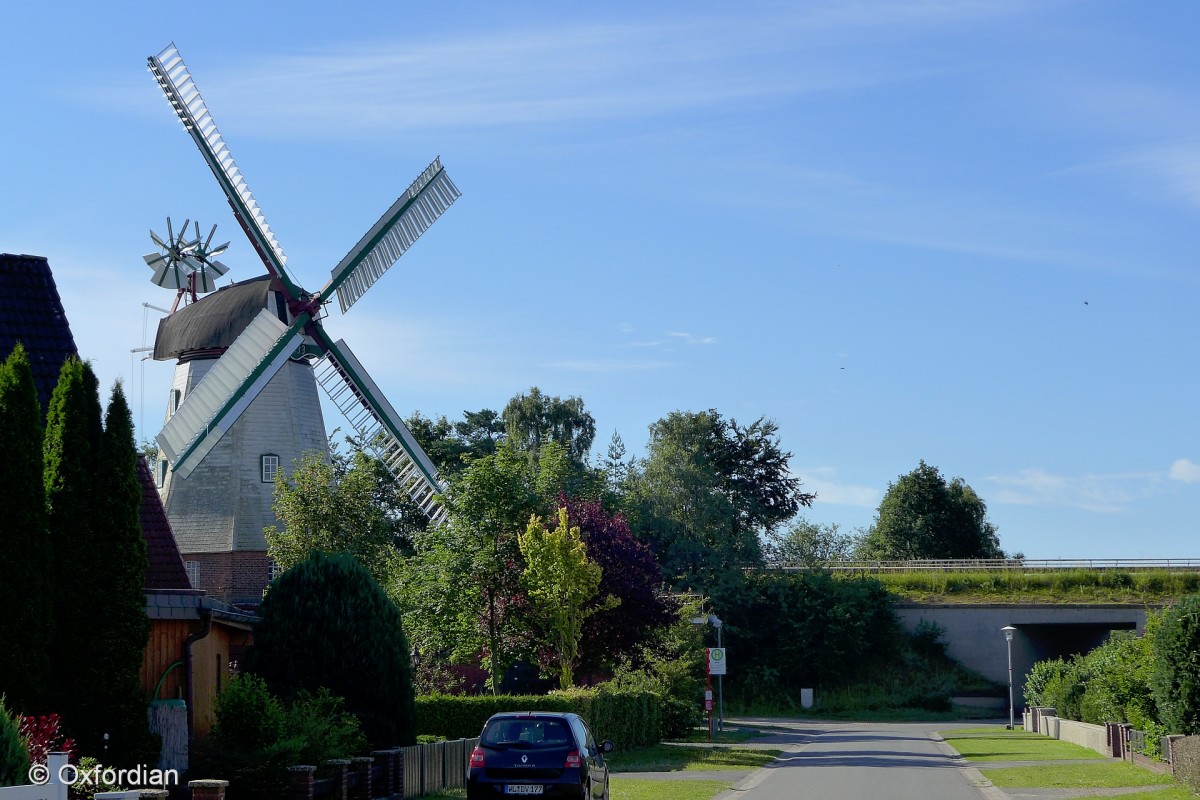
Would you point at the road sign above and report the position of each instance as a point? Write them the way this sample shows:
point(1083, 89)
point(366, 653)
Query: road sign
point(716, 661)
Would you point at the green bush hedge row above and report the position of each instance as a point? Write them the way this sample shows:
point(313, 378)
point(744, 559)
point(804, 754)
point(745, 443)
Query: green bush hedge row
point(628, 718)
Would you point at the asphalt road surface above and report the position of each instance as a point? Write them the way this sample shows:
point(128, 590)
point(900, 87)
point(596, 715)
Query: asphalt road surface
point(862, 761)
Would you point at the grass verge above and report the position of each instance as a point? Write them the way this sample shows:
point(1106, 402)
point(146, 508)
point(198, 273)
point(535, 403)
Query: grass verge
point(669, 758)
point(639, 789)
point(730, 735)
point(1007, 747)
point(1169, 793)
point(1104, 775)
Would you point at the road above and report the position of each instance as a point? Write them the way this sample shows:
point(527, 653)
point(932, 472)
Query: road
point(862, 761)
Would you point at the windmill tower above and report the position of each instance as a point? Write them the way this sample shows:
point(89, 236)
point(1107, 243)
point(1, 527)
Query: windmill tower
point(243, 402)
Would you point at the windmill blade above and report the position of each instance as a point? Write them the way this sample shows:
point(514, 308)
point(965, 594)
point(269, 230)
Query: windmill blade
point(171, 274)
point(379, 426)
point(400, 226)
point(177, 84)
point(214, 405)
point(153, 260)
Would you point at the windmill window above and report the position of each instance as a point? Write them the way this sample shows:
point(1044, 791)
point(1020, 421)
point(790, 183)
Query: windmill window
point(270, 468)
point(193, 573)
point(162, 472)
point(176, 397)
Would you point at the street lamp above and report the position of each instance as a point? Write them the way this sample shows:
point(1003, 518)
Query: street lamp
point(1009, 630)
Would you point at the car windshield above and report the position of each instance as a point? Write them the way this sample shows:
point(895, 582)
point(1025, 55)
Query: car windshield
point(525, 733)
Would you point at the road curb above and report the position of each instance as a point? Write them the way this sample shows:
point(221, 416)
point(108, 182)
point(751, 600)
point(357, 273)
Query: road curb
point(973, 776)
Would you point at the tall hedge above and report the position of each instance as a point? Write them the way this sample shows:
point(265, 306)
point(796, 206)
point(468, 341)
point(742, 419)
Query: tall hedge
point(629, 718)
point(1176, 676)
point(25, 554)
point(326, 623)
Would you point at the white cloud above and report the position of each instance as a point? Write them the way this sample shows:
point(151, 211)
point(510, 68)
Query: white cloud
point(690, 339)
point(1101, 493)
point(822, 480)
point(1184, 471)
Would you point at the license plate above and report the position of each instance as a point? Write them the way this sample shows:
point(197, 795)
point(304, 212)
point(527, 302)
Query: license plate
point(523, 788)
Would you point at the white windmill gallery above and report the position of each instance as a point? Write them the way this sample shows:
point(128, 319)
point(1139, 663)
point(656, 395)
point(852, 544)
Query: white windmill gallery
point(249, 356)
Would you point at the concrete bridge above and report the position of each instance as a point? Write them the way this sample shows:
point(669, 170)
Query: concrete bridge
point(974, 638)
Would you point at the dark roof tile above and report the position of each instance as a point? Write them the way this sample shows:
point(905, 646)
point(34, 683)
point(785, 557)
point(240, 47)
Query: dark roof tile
point(31, 312)
point(165, 570)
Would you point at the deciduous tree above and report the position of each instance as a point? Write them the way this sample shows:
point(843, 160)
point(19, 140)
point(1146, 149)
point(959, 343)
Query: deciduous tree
point(531, 420)
point(923, 516)
point(341, 505)
point(561, 581)
point(706, 491)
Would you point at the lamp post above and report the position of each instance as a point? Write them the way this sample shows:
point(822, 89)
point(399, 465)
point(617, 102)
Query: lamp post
point(1009, 630)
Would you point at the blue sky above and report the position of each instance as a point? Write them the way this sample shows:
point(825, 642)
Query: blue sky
point(964, 232)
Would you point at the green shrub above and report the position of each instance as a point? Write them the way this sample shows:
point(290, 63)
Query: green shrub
point(14, 761)
point(326, 623)
point(1187, 761)
point(248, 716)
point(254, 754)
point(1176, 676)
point(629, 718)
point(1039, 677)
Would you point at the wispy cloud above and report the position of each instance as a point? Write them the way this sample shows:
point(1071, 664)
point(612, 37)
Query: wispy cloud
point(689, 338)
point(1172, 166)
point(610, 365)
point(1102, 493)
point(576, 72)
point(823, 481)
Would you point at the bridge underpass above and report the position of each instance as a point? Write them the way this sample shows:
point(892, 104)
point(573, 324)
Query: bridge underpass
point(974, 639)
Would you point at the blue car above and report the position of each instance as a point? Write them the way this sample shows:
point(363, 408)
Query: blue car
point(538, 754)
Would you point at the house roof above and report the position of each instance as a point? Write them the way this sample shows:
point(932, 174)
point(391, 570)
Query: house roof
point(165, 570)
point(213, 322)
point(31, 312)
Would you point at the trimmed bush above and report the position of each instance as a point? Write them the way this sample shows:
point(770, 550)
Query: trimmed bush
point(326, 623)
point(628, 718)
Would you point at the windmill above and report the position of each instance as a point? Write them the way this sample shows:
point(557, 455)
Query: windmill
point(290, 329)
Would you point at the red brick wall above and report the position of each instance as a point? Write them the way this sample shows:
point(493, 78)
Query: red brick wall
point(237, 577)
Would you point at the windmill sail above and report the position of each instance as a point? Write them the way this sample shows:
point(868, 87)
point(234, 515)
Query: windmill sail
point(176, 82)
point(213, 405)
point(380, 427)
point(409, 217)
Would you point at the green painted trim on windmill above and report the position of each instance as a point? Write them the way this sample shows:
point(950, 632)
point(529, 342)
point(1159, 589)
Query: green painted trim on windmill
point(324, 340)
point(235, 398)
point(337, 280)
point(243, 215)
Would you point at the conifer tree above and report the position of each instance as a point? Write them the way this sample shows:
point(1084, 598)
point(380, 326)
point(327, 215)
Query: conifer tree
point(25, 555)
point(121, 627)
point(71, 449)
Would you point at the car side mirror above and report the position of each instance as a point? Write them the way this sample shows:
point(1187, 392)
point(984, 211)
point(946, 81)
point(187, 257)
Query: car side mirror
point(607, 747)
